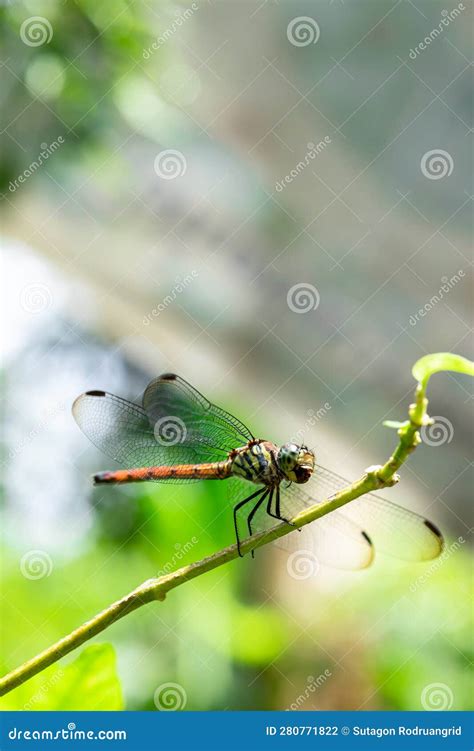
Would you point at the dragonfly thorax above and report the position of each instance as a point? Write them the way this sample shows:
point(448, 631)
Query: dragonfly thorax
point(295, 462)
point(263, 462)
point(256, 462)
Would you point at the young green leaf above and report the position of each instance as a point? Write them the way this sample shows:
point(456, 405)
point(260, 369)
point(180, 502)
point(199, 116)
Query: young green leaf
point(424, 368)
point(88, 683)
point(395, 424)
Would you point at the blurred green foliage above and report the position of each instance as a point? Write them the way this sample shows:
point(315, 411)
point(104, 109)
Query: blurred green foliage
point(89, 682)
point(64, 86)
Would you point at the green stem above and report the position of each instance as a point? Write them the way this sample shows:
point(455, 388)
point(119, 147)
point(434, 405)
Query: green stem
point(409, 437)
point(157, 589)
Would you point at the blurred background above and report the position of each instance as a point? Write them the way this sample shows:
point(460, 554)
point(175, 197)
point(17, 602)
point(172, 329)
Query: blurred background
point(273, 200)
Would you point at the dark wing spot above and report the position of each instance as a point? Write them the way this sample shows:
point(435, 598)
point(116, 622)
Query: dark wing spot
point(433, 529)
point(95, 393)
point(168, 377)
point(366, 537)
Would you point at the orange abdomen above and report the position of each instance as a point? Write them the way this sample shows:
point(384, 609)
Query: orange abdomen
point(209, 471)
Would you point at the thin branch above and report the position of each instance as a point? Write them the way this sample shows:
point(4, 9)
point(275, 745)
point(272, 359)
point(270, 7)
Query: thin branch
point(157, 589)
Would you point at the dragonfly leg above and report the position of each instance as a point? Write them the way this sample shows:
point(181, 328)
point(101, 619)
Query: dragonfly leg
point(277, 514)
point(239, 505)
point(254, 511)
point(277, 501)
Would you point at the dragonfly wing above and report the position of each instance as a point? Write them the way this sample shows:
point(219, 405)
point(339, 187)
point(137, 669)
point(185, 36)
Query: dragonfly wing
point(393, 530)
point(333, 540)
point(202, 423)
point(122, 430)
point(390, 528)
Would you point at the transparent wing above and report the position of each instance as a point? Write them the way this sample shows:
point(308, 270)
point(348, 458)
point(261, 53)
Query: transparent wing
point(333, 540)
point(176, 425)
point(123, 431)
point(345, 538)
point(393, 530)
point(204, 424)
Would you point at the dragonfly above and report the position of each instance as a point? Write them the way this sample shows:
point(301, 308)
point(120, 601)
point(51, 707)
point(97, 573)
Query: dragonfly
point(176, 435)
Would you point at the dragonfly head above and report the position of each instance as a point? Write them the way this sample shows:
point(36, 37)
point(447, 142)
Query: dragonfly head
point(296, 462)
